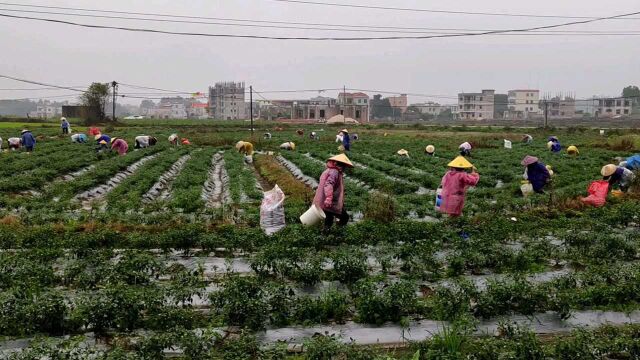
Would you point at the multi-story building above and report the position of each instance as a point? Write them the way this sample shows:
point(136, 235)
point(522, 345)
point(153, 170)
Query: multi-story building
point(611, 107)
point(476, 106)
point(197, 110)
point(430, 108)
point(354, 105)
point(559, 107)
point(227, 101)
point(523, 104)
point(47, 110)
point(399, 102)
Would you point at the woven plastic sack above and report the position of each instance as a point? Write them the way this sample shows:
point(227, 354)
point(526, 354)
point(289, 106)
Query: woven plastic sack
point(272, 217)
point(507, 144)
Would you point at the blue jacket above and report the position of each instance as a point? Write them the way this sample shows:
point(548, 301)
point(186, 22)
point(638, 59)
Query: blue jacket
point(105, 138)
point(346, 142)
point(633, 162)
point(556, 147)
point(65, 124)
point(538, 176)
point(28, 140)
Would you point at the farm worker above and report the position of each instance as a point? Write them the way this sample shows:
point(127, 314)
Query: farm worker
point(330, 193)
point(94, 131)
point(79, 138)
point(144, 141)
point(554, 144)
point(346, 140)
point(288, 146)
point(267, 136)
point(536, 172)
point(14, 143)
point(185, 141)
point(339, 138)
point(245, 148)
point(572, 150)
point(102, 137)
point(102, 146)
point(355, 137)
point(120, 146)
point(403, 152)
point(173, 139)
point(300, 132)
point(0, 143)
point(617, 176)
point(313, 135)
point(632, 163)
point(465, 149)
point(527, 139)
point(430, 150)
point(454, 186)
point(28, 141)
point(598, 191)
point(65, 125)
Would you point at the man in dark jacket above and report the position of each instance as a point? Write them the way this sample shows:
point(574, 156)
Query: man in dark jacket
point(28, 141)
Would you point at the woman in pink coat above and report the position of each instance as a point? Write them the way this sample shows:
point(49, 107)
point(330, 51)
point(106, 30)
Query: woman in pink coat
point(330, 193)
point(454, 186)
point(120, 146)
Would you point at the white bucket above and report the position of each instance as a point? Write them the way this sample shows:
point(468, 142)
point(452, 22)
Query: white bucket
point(313, 216)
point(601, 132)
point(527, 189)
point(248, 159)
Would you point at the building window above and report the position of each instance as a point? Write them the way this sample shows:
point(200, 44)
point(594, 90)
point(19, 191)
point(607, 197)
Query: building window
point(480, 107)
point(626, 103)
point(480, 98)
point(618, 103)
point(357, 114)
point(608, 110)
point(626, 111)
point(618, 112)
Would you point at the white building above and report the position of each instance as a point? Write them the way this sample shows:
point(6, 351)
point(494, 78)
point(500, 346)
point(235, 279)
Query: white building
point(178, 111)
point(432, 108)
point(523, 104)
point(612, 107)
point(476, 106)
point(46, 111)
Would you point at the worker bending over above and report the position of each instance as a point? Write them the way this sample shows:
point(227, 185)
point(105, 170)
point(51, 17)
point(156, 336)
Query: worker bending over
point(173, 139)
point(536, 172)
point(120, 146)
point(103, 137)
point(554, 144)
point(79, 138)
point(330, 193)
point(288, 146)
point(28, 140)
point(527, 139)
point(144, 141)
point(465, 149)
point(14, 143)
point(346, 140)
point(617, 176)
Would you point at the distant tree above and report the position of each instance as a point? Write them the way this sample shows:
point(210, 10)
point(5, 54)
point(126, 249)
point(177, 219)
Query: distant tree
point(147, 104)
point(445, 115)
point(381, 108)
point(97, 95)
point(632, 91)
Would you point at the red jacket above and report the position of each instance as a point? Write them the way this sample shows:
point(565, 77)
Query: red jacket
point(331, 186)
point(454, 187)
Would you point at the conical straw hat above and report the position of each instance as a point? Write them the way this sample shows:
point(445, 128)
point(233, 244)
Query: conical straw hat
point(342, 158)
point(461, 163)
point(608, 170)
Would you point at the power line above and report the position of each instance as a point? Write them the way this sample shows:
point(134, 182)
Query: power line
point(341, 26)
point(522, 30)
point(453, 12)
point(39, 83)
point(369, 29)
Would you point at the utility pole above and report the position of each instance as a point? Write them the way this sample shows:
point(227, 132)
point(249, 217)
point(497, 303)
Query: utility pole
point(344, 100)
point(114, 84)
point(251, 107)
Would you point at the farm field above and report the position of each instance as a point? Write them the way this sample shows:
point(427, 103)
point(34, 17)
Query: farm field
point(159, 253)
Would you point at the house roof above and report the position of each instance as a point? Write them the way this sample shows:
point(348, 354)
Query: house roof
point(357, 94)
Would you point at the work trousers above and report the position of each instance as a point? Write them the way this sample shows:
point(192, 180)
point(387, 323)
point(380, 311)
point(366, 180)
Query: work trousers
point(343, 219)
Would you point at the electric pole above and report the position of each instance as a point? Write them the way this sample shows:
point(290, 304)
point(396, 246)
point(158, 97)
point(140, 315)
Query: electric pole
point(251, 107)
point(546, 114)
point(344, 100)
point(115, 89)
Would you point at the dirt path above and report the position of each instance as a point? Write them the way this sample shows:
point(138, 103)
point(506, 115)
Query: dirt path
point(215, 192)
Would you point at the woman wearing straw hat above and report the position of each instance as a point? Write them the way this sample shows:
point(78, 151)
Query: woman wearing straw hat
point(120, 146)
point(28, 141)
point(573, 150)
point(454, 186)
point(330, 193)
point(430, 150)
point(617, 176)
point(536, 172)
point(346, 140)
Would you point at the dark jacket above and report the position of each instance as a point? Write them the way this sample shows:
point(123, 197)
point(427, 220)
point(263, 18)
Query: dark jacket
point(538, 176)
point(556, 147)
point(28, 140)
point(105, 138)
point(346, 142)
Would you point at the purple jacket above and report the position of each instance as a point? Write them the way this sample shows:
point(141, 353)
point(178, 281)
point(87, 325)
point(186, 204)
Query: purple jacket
point(331, 186)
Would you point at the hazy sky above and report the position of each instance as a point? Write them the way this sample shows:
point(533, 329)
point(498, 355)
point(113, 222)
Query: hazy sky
point(66, 55)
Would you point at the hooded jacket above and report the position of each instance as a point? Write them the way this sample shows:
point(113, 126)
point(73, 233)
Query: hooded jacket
point(454, 188)
point(331, 185)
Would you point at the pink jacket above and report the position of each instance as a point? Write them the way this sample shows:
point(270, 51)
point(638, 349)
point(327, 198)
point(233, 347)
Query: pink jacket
point(598, 191)
point(454, 187)
point(120, 146)
point(331, 186)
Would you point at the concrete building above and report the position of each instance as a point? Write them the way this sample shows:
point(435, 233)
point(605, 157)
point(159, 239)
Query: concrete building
point(47, 110)
point(399, 102)
point(523, 104)
point(612, 107)
point(354, 105)
point(227, 101)
point(561, 107)
point(431, 108)
point(197, 110)
point(476, 106)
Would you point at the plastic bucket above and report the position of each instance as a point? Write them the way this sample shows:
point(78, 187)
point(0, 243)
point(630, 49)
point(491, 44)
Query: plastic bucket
point(313, 216)
point(248, 159)
point(527, 189)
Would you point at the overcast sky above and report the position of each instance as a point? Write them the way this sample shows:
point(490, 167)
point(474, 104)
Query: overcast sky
point(585, 65)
